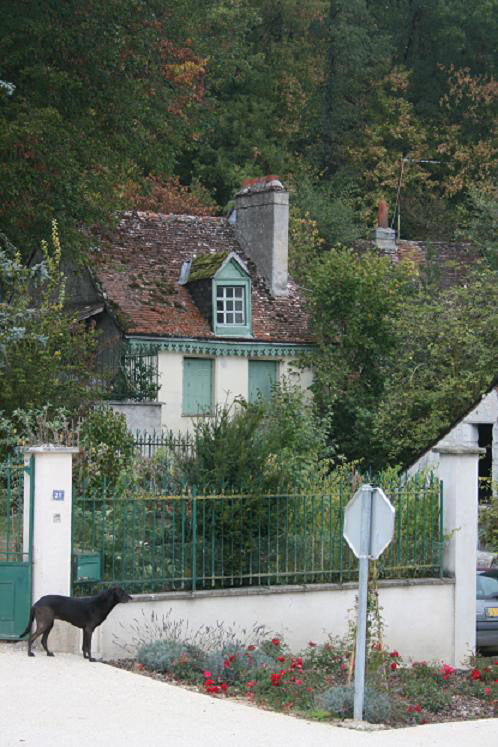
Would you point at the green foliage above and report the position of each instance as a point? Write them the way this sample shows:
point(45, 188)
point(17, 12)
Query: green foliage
point(424, 684)
point(488, 522)
point(445, 358)
point(339, 701)
point(45, 356)
point(355, 303)
point(398, 359)
point(265, 446)
point(107, 448)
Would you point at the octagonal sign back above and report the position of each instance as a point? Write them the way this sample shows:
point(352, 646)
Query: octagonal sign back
point(382, 522)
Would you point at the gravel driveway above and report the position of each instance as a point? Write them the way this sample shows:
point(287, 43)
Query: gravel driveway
point(68, 701)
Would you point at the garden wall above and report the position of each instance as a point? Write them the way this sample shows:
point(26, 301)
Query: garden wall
point(418, 615)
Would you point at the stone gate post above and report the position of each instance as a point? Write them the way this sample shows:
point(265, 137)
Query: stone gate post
point(458, 469)
point(51, 572)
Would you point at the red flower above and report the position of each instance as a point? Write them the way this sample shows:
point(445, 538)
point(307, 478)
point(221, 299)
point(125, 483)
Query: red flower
point(394, 666)
point(475, 674)
point(208, 682)
point(251, 683)
point(343, 666)
point(226, 664)
point(231, 658)
point(207, 674)
point(140, 666)
point(487, 690)
point(311, 644)
point(275, 641)
point(280, 658)
point(418, 708)
point(299, 682)
point(275, 679)
point(251, 648)
point(224, 686)
point(394, 654)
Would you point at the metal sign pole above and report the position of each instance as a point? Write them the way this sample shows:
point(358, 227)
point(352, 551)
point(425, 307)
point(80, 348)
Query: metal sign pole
point(361, 627)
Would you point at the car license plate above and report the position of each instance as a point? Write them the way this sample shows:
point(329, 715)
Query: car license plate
point(491, 611)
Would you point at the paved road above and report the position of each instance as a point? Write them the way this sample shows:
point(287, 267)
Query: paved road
point(67, 701)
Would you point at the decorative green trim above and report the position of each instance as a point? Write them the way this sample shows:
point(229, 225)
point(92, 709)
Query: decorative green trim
point(217, 348)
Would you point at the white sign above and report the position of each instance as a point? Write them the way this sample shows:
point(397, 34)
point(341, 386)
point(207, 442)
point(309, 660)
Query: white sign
point(382, 522)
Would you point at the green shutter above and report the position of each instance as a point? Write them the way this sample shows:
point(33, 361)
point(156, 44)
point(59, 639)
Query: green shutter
point(262, 377)
point(197, 386)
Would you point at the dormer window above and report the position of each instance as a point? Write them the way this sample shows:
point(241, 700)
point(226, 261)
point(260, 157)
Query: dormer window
point(230, 304)
point(220, 285)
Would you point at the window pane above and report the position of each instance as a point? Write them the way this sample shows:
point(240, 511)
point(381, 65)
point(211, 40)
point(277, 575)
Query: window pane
point(229, 305)
point(238, 292)
point(239, 319)
point(219, 317)
point(229, 292)
point(229, 319)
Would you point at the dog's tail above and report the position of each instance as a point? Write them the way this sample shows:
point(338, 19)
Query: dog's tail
point(30, 623)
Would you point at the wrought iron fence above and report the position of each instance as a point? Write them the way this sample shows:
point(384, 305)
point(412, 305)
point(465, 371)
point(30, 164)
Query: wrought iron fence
point(147, 444)
point(129, 372)
point(158, 542)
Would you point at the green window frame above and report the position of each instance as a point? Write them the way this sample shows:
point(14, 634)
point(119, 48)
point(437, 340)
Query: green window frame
point(263, 376)
point(197, 395)
point(231, 301)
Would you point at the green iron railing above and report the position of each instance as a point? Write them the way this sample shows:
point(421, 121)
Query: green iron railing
point(164, 543)
point(146, 444)
point(13, 547)
point(128, 372)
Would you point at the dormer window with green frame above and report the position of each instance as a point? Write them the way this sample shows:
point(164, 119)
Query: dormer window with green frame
point(221, 287)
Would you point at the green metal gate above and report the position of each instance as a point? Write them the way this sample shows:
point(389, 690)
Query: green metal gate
point(16, 541)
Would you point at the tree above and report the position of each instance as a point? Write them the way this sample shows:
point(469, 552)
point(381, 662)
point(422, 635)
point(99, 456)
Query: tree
point(446, 356)
point(97, 97)
point(46, 357)
point(355, 305)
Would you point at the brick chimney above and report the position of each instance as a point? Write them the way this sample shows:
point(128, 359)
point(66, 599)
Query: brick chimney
point(385, 237)
point(262, 224)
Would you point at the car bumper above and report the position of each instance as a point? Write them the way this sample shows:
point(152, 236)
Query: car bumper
point(487, 634)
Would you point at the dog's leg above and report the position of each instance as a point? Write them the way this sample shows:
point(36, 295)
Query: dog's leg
point(87, 643)
point(45, 638)
point(32, 638)
point(44, 617)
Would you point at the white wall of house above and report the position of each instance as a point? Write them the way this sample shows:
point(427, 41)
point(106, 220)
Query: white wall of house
point(230, 380)
point(466, 432)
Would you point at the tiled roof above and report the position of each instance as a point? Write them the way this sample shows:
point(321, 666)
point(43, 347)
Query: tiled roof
point(448, 262)
point(138, 264)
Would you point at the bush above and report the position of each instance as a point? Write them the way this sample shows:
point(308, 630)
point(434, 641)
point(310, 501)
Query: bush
point(425, 684)
point(339, 701)
point(107, 448)
point(185, 660)
point(259, 447)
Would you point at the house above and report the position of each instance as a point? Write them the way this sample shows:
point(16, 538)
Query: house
point(477, 427)
point(205, 304)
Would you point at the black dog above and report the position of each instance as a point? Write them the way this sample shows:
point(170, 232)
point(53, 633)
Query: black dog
point(83, 612)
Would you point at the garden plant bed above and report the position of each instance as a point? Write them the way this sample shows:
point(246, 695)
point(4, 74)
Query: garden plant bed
point(317, 684)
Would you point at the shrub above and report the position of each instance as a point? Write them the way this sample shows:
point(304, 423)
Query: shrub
point(107, 447)
point(184, 660)
point(426, 685)
point(339, 701)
